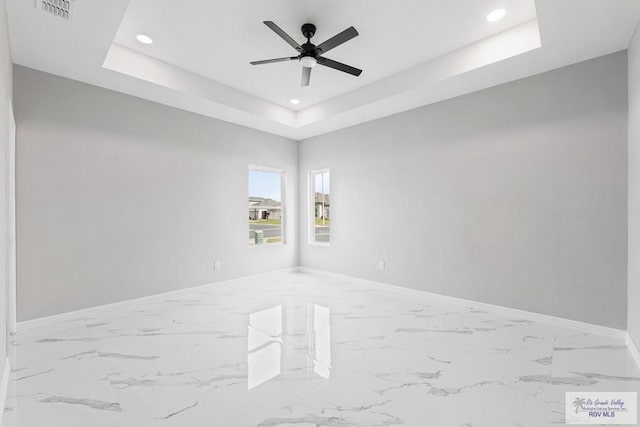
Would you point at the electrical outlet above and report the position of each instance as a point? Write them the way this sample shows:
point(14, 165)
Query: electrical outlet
point(217, 265)
point(381, 265)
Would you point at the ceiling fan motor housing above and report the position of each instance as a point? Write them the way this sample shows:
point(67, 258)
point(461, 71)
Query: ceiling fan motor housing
point(308, 30)
point(309, 49)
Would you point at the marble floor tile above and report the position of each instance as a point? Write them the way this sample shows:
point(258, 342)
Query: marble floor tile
point(299, 349)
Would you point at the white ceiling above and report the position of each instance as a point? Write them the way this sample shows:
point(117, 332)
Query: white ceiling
point(217, 39)
point(413, 52)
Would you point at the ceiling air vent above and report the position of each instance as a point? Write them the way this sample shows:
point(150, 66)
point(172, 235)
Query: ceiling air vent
point(60, 8)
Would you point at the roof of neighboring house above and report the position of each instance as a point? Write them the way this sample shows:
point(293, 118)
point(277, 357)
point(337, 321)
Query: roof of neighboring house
point(326, 198)
point(261, 202)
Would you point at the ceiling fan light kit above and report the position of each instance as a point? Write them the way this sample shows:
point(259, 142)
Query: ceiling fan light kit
point(310, 55)
point(308, 61)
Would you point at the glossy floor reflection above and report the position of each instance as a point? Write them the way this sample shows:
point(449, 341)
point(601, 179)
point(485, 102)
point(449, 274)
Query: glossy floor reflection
point(295, 349)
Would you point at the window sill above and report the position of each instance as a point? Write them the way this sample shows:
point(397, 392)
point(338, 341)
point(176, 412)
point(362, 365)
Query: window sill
point(323, 244)
point(268, 245)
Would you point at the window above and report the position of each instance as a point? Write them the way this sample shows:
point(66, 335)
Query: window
point(266, 207)
point(320, 209)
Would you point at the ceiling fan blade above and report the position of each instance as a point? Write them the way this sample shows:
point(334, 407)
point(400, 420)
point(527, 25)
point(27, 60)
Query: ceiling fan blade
point(339, 66)
point(306, 76)
point(286, 37)
point(271, 61)
point(338, 39)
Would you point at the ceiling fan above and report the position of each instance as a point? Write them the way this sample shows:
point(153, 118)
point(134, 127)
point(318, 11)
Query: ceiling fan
point(310, 55)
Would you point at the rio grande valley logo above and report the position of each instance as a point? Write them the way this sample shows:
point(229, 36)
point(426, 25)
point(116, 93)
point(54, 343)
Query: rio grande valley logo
point(601, 408)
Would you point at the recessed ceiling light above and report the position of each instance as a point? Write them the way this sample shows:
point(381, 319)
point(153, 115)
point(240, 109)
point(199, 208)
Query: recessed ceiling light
point(144, 39)
point(295, 101)
point(496, 15)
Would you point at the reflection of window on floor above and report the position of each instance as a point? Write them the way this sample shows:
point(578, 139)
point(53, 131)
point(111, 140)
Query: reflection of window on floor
point(320, 208)
point(268, 349)
point(266, 207)
point(265, 346)
point(320, 340)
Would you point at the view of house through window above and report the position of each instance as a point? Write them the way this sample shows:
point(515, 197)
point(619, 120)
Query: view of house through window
point(266, 213)
point(321, 210)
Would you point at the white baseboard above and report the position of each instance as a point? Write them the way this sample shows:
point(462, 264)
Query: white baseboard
point(507, 311)
point(633, 349)
point(99, 309)
point(4, 387)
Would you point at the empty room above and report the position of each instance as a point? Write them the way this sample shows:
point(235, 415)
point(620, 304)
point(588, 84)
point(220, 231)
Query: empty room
point(294, 213)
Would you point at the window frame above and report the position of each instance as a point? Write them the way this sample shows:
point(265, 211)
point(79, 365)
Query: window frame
point(283, 201)
point(311, 204)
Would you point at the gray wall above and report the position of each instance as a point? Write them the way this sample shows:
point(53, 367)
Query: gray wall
point(5, 98)
point(515, 195)
point(634, 189)
point(120, 198)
